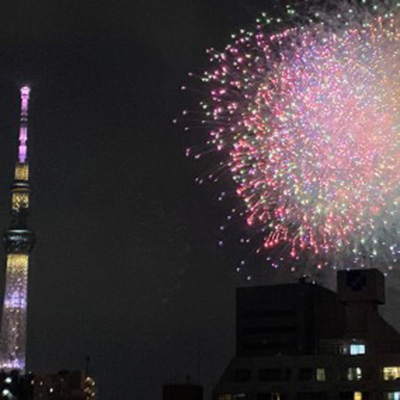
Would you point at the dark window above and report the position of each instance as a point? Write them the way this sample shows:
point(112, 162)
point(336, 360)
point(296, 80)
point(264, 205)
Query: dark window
point(242, 375)
point(261, 345)
point(268, 313)
point(312, 396)
point(269, 345)
point(270, 375)
point(274, 374)
point(306, 374)
point(270, 330)
point(286, 374)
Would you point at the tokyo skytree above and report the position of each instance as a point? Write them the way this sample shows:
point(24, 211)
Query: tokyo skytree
point(18, 241)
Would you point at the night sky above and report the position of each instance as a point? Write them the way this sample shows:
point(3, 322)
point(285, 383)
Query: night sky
point(127, 266)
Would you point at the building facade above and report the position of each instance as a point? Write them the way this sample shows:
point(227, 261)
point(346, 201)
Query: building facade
point(304, 342)
point(182, 391)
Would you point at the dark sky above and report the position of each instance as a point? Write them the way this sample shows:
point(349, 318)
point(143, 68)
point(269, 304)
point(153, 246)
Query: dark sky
point(126, 266)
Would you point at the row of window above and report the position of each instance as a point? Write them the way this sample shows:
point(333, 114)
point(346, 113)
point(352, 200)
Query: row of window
point(310, 374)
point(308, 396)
point(268, 330)
point(343, 348)
point(290, 312)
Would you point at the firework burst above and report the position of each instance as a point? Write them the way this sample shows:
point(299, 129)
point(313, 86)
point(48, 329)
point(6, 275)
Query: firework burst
point(308, 116)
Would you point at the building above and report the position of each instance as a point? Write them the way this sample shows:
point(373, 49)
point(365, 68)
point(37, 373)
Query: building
point(182, 391)
point(19, 241)
point(304, 342)
point(65, 385)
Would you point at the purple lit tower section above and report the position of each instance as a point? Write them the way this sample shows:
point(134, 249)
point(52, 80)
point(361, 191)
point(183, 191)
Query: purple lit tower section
point(19, 241)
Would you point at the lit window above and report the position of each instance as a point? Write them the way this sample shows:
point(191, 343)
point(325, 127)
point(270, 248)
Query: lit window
point(227, 396)
point(391, 373)
point(357, 349)
point(320, 374)
point(239, 396)
point(354, 374)
point(357, 396)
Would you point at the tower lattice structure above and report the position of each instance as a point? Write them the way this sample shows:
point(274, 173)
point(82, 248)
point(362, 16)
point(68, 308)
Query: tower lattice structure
point(18, 241)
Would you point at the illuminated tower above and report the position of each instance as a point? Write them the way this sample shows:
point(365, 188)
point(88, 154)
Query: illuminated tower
point(18, 241)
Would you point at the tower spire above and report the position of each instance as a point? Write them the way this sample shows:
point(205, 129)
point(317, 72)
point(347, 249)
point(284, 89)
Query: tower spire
point(18, 241)
point(23, 129)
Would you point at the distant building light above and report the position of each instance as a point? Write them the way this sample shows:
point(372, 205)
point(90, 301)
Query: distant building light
point(320, 374)
point(391, 374)
point(8, 380)
point(354, 374)
point(357, 349)
point(5, 392)
point(51, 390)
